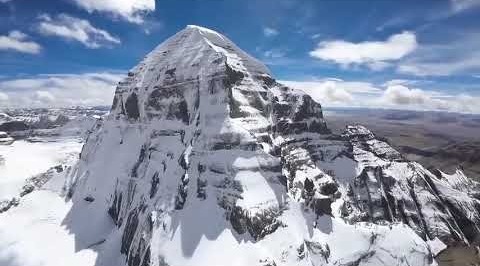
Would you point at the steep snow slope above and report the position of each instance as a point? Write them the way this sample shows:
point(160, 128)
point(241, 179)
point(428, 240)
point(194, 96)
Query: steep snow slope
point(23, 160)
point(32, 234)
point(45, 148)
point(206, 160)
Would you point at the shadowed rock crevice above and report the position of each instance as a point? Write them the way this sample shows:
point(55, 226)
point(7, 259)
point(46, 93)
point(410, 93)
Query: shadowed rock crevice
point(131, 106)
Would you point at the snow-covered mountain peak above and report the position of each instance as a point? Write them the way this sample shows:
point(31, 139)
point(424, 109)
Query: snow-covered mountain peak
point(205, 151)
point(236, 57)
point(193, 56)
point(197, 51)
point(203, 29)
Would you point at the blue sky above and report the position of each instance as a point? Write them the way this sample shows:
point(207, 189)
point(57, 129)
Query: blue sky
point(404, 54)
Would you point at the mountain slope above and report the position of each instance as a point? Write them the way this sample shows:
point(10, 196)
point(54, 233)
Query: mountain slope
point(206, 160)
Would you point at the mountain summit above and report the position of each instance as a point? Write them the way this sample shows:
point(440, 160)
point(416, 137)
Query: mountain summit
point(206, 160)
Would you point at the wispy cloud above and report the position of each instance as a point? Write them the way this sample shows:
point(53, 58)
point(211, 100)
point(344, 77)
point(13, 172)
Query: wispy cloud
point(461, 5)
point(276, 56)
point(421, 19)
point(130, 10)
point(396, 21)
point(374, 54)
point(18, 41)
point(459, 55)
point(270, 32)
point(59, 90)
point(75, 29)
point(274, 53)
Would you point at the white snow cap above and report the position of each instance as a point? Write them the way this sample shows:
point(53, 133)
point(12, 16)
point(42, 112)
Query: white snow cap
point(194, 47)
point(200, 28)
point(235, 55)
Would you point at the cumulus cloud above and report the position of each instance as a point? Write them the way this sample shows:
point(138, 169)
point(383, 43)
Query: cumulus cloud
point(75, 29)
point(18, 41)
point(334, 92)
point(374, 54)
point(44, 96)
point(403, 97)
point(270, 32)
point(130, 10)
point(60, 90)
point(395, 94)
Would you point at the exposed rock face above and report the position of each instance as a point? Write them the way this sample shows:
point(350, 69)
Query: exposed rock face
point(14, 126)
point(205, 156)
point(391, 189)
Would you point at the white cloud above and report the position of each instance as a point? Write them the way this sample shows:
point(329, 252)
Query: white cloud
point(17, 41)
point(130, 10)
point(274, 53)
point(60, 90)
point(461, 5)
point(75, 29)
point(18, 35)
point(374, 54)
point(3, 97)
point(423, 67)
point(44, 96)
point(396, 94)
point(402, 97)
point(460, 54)
point(405, 82)
point(334, 92)
point(270, 32)
point(419, 68)
point(378, 65)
